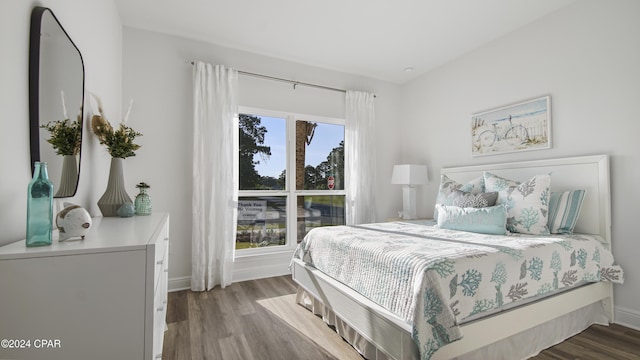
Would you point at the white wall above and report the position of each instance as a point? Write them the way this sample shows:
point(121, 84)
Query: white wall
point(158, 79)
point(96, 29)
point(587, 58)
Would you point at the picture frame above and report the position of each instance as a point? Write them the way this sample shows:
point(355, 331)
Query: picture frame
point(522, 126)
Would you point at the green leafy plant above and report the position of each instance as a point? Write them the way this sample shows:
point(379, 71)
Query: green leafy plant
point(66, 135)
point(119, 142)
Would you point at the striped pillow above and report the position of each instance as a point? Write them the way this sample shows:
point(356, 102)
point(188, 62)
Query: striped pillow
point(564, 209)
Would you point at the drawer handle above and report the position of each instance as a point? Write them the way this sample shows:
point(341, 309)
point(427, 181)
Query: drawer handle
point(161, 308)
point(159, 262)
point(166, 270)
point(166, 239)
point(159, 356)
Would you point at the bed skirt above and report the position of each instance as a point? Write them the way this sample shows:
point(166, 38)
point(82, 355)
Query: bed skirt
point(519, 346)
point(360, 343)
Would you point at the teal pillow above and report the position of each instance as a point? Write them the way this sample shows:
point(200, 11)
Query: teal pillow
point(489, 220)
point(564, 210)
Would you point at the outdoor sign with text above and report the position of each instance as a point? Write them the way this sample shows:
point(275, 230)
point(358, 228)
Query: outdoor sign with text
point(249, 209)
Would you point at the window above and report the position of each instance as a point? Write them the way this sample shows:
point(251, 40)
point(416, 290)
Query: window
point(291, 177)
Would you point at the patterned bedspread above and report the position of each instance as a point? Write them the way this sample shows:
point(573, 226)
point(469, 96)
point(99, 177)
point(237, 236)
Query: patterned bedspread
point(435, 278)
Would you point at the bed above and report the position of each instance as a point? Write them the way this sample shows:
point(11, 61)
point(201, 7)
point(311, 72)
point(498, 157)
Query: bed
point(393, 331)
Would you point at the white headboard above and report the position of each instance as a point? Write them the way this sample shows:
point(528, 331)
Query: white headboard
point(590, 173)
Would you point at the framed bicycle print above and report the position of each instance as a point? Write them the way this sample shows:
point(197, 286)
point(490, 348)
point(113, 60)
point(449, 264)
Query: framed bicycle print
point(518, 127)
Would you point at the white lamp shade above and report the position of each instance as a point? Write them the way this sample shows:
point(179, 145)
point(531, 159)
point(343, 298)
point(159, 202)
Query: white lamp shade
point(409, 174)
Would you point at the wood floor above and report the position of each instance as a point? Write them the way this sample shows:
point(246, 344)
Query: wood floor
point(236, 324)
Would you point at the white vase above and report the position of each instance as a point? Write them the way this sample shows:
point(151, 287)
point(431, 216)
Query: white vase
point(116, 194)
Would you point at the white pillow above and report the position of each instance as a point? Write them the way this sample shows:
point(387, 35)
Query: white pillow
point(527, 202)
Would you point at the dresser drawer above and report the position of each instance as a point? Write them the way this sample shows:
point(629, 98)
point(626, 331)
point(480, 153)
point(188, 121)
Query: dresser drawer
point(160, 315)
point(161, 256)
point(160, 282)
point(161, 268)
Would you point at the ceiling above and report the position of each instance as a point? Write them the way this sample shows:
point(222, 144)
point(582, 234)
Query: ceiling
point(373, 38)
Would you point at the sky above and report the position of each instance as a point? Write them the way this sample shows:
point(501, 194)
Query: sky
point(325, 138)
point(516, 111)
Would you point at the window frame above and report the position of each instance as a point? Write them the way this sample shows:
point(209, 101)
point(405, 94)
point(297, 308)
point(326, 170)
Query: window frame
point(290, 192)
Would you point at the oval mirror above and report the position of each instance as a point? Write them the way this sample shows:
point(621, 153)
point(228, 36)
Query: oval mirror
point(56, 98)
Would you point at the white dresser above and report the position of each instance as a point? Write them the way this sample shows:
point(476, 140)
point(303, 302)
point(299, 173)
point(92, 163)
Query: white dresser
point(104, 297)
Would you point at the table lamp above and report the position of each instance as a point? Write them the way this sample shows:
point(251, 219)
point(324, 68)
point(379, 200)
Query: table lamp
point(409, 175)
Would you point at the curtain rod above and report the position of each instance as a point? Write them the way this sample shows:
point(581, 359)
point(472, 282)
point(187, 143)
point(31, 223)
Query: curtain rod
point(295, 83)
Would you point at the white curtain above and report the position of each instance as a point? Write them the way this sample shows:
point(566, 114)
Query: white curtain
point(360, 158)
point(215, 175)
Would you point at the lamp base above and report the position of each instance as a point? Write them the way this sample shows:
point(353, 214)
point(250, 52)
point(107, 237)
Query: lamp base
point(408, 202)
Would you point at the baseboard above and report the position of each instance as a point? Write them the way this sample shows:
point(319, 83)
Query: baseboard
point(627, 317)
point(246, 268)
point(179, 283)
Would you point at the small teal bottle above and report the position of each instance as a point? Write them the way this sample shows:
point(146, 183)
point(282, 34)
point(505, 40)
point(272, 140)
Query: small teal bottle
point(143, 200)
point(39, 207)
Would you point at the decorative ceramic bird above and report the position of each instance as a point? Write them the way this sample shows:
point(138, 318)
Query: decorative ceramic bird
point(73, 222)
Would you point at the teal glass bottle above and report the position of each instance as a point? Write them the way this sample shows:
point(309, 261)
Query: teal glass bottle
point(39, 207)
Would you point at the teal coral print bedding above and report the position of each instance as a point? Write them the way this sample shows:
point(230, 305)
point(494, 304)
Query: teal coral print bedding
point(436, 278)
